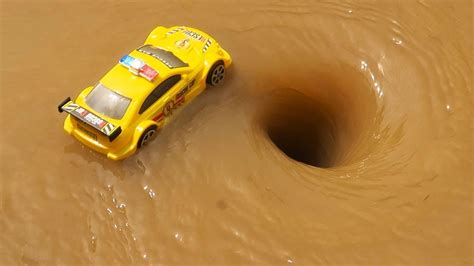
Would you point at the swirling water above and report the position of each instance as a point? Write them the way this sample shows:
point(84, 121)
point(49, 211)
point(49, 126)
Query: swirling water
point(342, 136)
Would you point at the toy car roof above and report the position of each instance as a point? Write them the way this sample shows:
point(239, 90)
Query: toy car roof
point(178, 49)
point(129, 84)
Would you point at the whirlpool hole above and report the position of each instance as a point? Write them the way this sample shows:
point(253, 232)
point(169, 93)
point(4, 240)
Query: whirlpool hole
point(300, 130)
point(319, 116)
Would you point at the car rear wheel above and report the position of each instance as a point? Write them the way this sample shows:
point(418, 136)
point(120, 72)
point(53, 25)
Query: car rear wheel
point(146, 136)
point(216, 74)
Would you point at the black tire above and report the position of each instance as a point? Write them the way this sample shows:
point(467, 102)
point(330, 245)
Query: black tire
point(146, 136)
point(216, 74)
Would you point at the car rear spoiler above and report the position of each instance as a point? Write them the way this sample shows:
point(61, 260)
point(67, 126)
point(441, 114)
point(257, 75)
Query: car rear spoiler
point(86, 116)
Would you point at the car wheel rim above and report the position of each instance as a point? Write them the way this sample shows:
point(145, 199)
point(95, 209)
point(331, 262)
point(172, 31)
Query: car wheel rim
point(218, 74)
point(147, 137)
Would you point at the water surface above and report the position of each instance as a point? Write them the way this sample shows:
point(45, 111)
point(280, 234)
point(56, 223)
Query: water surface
point(341, 136)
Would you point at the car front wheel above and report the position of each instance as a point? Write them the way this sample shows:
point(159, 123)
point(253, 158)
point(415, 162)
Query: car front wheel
point(216, 74)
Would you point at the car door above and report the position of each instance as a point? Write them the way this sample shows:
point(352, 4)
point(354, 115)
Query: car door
point(194, 87)
point(160, 101)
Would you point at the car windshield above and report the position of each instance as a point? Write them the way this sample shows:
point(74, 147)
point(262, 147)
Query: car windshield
point(107, 102)
point(166, 57)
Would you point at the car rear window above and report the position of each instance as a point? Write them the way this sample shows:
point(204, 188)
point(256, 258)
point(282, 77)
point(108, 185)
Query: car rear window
point(107, 102)
point(165, 57)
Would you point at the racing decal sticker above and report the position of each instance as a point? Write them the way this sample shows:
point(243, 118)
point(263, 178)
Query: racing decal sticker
point(190, 33)
point(70, 107)
point(182, 93)
point(195, 35)
point(174, 30)
point(168, 109)
point(183, 44)
point(206, 45)
point(81, 111)
point(179, 101)
point(91, 119)
point(159, 117)
point(108, 128)
point(94, 120)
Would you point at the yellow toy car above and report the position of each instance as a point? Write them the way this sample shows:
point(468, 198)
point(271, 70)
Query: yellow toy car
point(131, 102)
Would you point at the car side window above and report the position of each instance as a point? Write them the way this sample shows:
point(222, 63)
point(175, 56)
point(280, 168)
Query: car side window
point(159, 91)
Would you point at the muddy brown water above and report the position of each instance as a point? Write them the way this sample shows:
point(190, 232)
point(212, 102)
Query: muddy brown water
point(342, 136)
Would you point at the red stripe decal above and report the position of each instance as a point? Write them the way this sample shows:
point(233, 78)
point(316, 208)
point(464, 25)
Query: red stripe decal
point(158, 117)
point(179, 100)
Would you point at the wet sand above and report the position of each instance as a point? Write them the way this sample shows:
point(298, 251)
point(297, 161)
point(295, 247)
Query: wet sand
point(341, 136)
